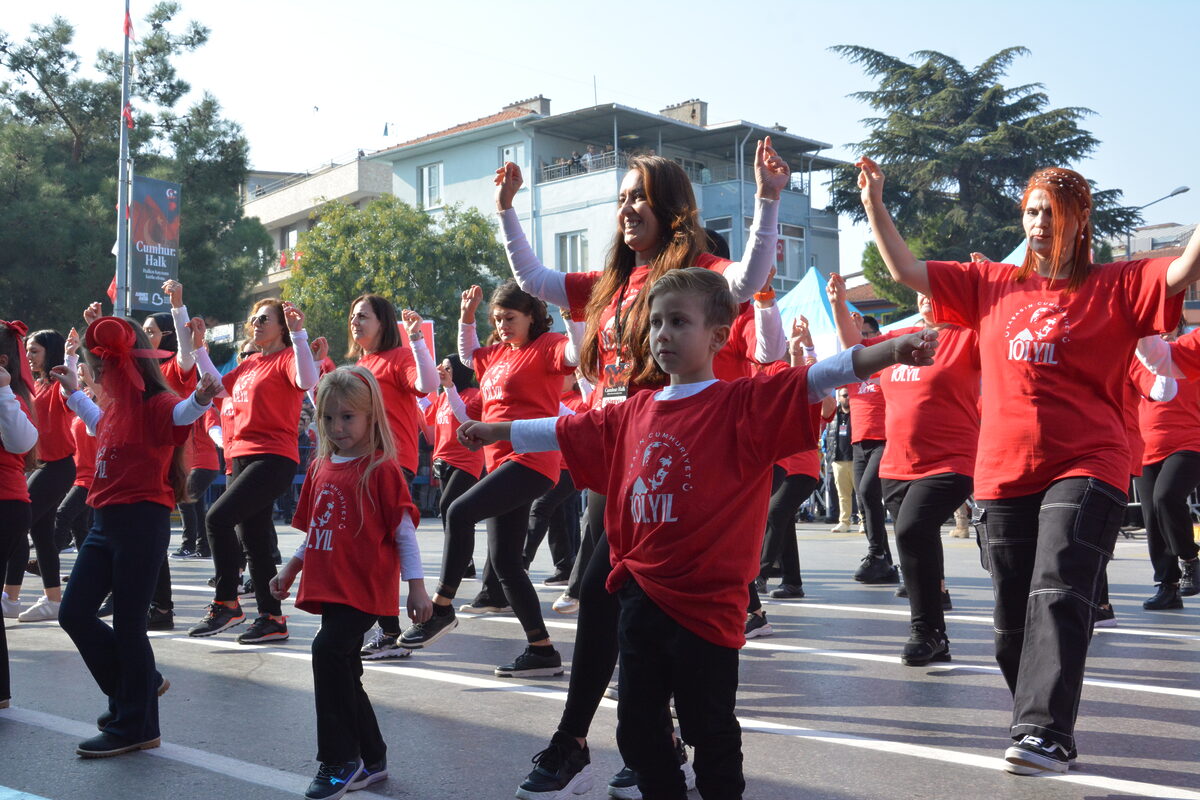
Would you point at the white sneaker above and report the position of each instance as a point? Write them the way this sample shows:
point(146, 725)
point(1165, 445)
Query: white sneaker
point(44, 610)
point(841, 527)
point(565, 604)
point(11, 608)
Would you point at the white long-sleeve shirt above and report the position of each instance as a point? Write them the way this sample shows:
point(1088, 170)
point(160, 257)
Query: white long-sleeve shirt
point(306, 369)
point(17, 433)
point(185, 412)
point(468, 343)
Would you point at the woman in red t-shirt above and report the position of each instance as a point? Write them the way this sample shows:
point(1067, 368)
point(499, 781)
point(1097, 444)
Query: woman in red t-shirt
point(658, 229)
point(520, 377)
point(18, 437)
point(49, 482)
point(1056, 335)
point(139, 478)
point(73, 518)
point(265, 392)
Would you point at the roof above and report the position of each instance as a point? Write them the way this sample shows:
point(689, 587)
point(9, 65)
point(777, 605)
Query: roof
point(863, 294)
point(1162, 252)
point(504, 116)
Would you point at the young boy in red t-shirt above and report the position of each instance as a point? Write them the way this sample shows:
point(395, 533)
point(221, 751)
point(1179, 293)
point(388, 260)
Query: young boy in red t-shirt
point(688, 497)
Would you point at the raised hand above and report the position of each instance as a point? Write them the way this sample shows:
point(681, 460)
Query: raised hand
point(771, 173)
point(84, 375)
point(445, 376)
point(71, 346)
point(412, 323)
point(508, 183)
point(320, 348)
point(800, 331)
point(979, 258)
point(294, 317)
point(870, 181)
point(198, 327)
point(471, 299)
point(174, 290)
point(92, 313)
point(207, 388)
point(64, 378)
point(835, 289)
point(915, 349)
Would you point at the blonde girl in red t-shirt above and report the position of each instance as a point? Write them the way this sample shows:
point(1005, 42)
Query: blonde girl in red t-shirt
point(361, 542)
point(1056, 335)
point(139, 478)
point(18, 438)
point(520, 376)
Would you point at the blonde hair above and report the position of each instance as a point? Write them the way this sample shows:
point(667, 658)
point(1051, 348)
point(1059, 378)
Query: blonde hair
point(356, 388)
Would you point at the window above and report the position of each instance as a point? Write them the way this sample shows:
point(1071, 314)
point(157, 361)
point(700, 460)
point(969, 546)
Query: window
point(723, 226)
point(572, 251)
point(790, 252)
point(430, 188)
point(514, 153)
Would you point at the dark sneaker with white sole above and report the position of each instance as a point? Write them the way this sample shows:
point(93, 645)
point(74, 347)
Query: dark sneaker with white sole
point(105, 745)
point(623, 785)
point(757, 625)
point(333, 780)
point(1032, 754)
point(561, 770)
point(532, 665)
point(924, 645)
point(423, 634)
point(788, 591)
point(220, 617)
point(383, 645)
point(265, 629)
point(876, 569)
point(370, 774)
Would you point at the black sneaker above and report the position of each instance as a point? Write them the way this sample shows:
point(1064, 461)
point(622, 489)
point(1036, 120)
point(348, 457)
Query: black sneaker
point(184, 552)
point(876, 569)
point(370, 774)
point(561, 769)
point(902, 590)
point(559, 578)
point(788, 591)
point(760, 585)
point(247, 587)
point(383, 645)
point(469, 573)
point(159, 619)
point(265, 629)
point(333, 780)
point(106, 608)
point(946, 604)
point(757, 625)
point(423, 634)
point(531, 665)
point(624, 783)
point(105, 745)
point(1104, 617)
point(220, 617)
point(1033, 754)
point(924, 645)
point(1165, 598)
point(1189, 581)
point(212, 582)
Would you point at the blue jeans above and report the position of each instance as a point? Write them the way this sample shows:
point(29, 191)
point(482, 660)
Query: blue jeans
point(1047, 553)
point(122, 554)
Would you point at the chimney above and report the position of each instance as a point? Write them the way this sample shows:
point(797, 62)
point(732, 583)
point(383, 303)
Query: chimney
point(538, 105)
point(694, 112)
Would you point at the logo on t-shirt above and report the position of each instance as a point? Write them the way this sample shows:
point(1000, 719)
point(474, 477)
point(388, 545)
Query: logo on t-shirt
point(902, 373)
point(328, 515)
point(102, 456)
point(1034, 332)
point(660, 468)
point(494, 380)
point(241, 387)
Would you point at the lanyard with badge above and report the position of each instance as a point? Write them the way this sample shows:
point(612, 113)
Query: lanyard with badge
point(616, 385)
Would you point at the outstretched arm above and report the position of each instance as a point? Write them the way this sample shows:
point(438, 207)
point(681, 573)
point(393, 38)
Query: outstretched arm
point(531, 275)
point(900, 261)
point(771, 175)
point(849, 333)
point(1185, 270)
point(468, 339)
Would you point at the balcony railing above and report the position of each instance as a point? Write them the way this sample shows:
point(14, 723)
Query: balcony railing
point(719, 173)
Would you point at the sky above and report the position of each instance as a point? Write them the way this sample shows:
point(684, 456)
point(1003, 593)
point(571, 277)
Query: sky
point(312, 81)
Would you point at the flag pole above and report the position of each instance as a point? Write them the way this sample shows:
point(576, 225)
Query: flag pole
point(120, 305)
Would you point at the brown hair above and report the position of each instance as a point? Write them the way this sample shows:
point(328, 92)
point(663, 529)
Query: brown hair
point(389, 332)
point(669, 192)
point(11, 345)
point(277, 306)
point(511, 296)
point(719, 306)
point(1070, 198)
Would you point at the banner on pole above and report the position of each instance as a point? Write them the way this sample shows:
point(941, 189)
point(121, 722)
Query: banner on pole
point(153, 242)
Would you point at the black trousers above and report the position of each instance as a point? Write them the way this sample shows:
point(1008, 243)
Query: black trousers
point(14, 526)
point(243, 514)
point(660, 659)
point(1047, 553)
point(593, 530)
point(72, 518)
point(542, 518)
point(48, 485)
point(1164, 488)
point(867, 455)
point(502, 498)
point(346, 724)
point(193, 513)
point(788, 492)
point(919, 508)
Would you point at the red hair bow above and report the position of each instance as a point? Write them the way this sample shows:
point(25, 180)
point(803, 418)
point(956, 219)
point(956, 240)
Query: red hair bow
point(112, 340)
point(21, 330)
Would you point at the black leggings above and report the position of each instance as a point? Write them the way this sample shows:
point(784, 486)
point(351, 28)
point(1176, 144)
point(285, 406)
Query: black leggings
point(72, 519)
point(48, 485)
point(244, 512)
point(779, 543)
point(14, 526)
point(867, 455)
point(502, 498)
point(1164, 488)
point(193, 513)
point(541, 514)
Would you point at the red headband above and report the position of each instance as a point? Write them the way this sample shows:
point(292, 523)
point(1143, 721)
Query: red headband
point(21, 330)
point(112, 340)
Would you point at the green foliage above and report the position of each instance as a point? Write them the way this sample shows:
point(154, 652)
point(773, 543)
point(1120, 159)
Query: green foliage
point(413, 258)
point(58, 183)
point(877, 273)
point(957, 147)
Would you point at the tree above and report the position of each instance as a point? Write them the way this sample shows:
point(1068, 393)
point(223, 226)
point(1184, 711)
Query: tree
point(392, 249)
point(958, 146)
point(58, 156)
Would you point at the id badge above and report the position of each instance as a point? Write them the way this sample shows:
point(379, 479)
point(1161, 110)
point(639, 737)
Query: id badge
point(617, 388)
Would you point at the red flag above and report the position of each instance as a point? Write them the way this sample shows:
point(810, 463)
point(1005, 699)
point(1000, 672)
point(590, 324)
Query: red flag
point(112, 290)
point(129, 28)
point(127, 113)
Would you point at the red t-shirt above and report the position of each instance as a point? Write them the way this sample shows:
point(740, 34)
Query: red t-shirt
point(806, 462)
point(12, 468)
point(688, 482)
point(263, 407)
point(350, 553)
point(85, 454)
point(579, 290)
point(396, 372)
point(1171, 426)
point(325, 366)
point(440, 416)
point(53, 422)
point(181, 383)
point(522, 383)
point(736, 359)
point(132, 473)
point(1185, 352)
point(868, 410)
point(1054, 365)
point(201, 452)
point(932, 415)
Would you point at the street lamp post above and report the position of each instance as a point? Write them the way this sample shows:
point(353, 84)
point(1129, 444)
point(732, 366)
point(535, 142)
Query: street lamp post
point(1129, 233)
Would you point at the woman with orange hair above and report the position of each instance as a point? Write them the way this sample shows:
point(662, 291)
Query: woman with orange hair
point(1056, 335)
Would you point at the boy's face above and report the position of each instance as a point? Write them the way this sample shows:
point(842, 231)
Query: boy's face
point(681, 340)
